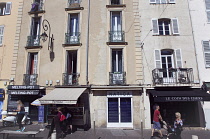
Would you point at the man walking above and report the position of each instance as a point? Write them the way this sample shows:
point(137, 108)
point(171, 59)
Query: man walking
point(156, 123)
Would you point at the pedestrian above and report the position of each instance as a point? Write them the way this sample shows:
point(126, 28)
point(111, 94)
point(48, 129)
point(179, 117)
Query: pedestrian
point(156, 121)
point(20, 114)
point(178, 123)
point(68, 115)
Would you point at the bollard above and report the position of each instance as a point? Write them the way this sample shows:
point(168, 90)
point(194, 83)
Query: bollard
point(142, 134)
point(194, 137)
point(53, 136)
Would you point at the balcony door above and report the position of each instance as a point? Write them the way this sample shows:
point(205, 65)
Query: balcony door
point(167, 65)
point(116, 26)
point(31, 75)
point(73, 28)
point(35, 31)
point(71, 67)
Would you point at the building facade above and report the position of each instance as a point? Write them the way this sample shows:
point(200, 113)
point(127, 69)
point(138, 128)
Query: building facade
point(10, 20)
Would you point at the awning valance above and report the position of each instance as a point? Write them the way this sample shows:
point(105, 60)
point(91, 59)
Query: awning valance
point(179, 95)
point(62, 96)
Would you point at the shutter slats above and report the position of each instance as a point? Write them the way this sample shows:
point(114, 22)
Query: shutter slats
point(155, 26)
point(206, 50)
point(8, 8)
point(157, 59)
point(178, 58)
point(207, 4)
point(35, 63)
point(175, 26)
point(1, 34)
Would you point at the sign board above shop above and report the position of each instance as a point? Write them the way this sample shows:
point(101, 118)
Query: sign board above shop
point(21, 87)
point(119, 93)
point(23, 92)
point(170, 99)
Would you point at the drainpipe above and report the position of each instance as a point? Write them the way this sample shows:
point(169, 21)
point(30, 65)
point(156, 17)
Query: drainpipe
point(194, 41)
point(87, 43)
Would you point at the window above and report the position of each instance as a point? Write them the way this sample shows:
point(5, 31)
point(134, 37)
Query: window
point(32, 63)
point(1, 34)
point(73, 28)
point(117, 61)
point(162, 1)
point(34, 38)
point(37, 5)
point(208, 9)
point(115, 2)
point(206, 51)
point(5, 8)
point(165, 26)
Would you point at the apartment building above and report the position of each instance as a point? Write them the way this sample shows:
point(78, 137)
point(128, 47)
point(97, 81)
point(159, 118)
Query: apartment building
point(10, 20)
point(84, 55)
point(199, 12)
point(169, 61)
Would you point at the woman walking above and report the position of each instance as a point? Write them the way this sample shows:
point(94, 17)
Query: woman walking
point(20, 114)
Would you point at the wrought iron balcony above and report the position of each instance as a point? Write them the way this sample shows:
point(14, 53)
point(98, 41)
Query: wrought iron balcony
point(70, 79)
point(176, 76)
point(33, 41)
point(72, 38)
point(74, 3)
point(116, 36)
point(37, 6)
point(117, 78)
point(30, 79)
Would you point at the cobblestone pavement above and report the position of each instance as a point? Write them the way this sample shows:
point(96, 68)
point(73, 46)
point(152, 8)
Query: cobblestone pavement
point(104, 133)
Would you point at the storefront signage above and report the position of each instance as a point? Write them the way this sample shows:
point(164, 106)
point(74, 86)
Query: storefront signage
point(20, 87)
point(164, 99)
point(119, 94)
point(41, 114)
point(23, 92)
point(57, 102)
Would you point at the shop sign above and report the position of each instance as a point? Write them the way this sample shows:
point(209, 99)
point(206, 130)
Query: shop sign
point(119, 94)
point(19, 87)
point(57, 102)
point(23, 92)
point(163, 99)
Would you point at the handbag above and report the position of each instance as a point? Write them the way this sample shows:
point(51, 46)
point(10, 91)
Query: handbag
point(63, 117)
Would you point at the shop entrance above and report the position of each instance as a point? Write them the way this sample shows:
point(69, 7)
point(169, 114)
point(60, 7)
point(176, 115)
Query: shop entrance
point(120, 112)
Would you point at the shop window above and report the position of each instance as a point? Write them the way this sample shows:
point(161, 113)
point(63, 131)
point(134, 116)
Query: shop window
point(5, 8)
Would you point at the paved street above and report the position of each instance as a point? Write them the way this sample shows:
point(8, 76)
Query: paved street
point(104, 133)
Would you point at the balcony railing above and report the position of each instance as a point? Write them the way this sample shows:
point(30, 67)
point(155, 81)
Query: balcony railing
point(33, 41)
point(30, 79)
point(72, 38)
point(117, 78)
point(116, 36)
point(37, 6)
point(70, 79)
point(173, 76)
point(74, 3)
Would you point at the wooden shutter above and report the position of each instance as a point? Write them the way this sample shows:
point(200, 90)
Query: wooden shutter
point(1, 34)
point(175, 26)
point(8, 8)
point(172, 1)
point(208, 9)
point(206, 50)
point(152, 1)
point(178, 55)
point(158, 63)
point(155, 27)
point(35, 63)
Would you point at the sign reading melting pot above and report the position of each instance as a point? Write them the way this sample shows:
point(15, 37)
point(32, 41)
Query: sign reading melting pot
point(119, 94)
point(164, 99)
point(20, 87)
point(23, 92)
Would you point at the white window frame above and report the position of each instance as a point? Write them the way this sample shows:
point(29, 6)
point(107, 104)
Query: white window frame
point(163, 26)
point(8, 8)
point(2, 34)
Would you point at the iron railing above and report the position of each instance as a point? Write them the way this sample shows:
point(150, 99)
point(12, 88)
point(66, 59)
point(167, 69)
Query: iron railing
point(173, 76)
point(72, 38)
point(70, 79)
point(74, 3)
point(115, 2)
point(30, 79)
point(117, 78)
point(116, 36)
point(33, 41)
point(37, 6)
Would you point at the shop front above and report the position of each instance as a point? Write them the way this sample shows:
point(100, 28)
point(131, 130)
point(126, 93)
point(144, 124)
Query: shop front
point(187, 101)
point(116, 107)
point(27, 94)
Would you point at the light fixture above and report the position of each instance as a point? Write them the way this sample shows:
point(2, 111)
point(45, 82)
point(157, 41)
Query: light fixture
point(5, 83)
point(44, 36)
point(51, 82)
point(58, 82)
point(46, 82)
point(11, 79)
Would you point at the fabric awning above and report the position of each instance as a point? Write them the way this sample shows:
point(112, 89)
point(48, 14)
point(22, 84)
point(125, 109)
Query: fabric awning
point(179, 95)
point(62, 96)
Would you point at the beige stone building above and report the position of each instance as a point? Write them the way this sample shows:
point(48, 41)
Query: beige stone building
point(10, 20)
point(84, 54)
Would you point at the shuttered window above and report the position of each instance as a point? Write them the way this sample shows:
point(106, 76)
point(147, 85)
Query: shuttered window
point(8, 8)
point(208, 10)
point(1, 34)
point(158, 62)
point(175, 26)
point(162, 1)
point(178, 58)
point(155, 26)
point(206, 50)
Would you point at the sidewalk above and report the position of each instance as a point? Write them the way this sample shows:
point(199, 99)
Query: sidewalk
point(104, 133)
